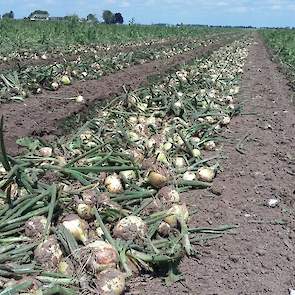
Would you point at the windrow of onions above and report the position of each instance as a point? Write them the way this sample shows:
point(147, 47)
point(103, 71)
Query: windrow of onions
point(34, 79)
point(85, 214)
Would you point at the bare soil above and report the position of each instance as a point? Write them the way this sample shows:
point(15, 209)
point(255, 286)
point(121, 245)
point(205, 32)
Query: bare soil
point(41, 115)
point(258, 257)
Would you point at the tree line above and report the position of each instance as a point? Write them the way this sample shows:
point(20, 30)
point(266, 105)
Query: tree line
point(108, 16)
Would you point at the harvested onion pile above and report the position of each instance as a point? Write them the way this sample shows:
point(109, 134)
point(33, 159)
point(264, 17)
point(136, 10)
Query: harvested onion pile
point(106, 204)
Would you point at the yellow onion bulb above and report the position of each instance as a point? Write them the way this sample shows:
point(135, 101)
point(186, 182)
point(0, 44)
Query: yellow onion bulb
point(111, 282)
point(157, 179)
point(130, 228)
point(103, 255)
point(48, 253)
point(76, 226)
point(206, 174)
point(176, 213)
point(113, 184)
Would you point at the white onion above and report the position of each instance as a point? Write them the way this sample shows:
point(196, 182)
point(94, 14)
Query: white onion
point(176, 213)
point(111, 282)
point(133, 136)
point(113, 183)
point(54, 85)
point(189, 175)
point(132, 120)
point(79, 98)
point(76, 226)
point(225, 120)
point(179, 162)
point(196, 153)
point(206, 174)
point(102, 255)
point(167, 146)
point(151, 121)
point(210, 145)
point(162, 158)
point(127, 175)
point(130, 228)
point(45, 152)
point(65, 80)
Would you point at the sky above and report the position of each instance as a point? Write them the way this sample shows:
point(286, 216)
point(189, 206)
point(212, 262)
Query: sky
point(260, 13)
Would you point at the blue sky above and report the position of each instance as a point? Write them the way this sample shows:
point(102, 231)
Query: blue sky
point(215, 12)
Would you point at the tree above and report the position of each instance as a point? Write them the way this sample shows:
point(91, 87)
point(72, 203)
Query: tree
point(108, 17)
point(91, 18)
point(8, 15)
point(42, 12)
point(118, 18)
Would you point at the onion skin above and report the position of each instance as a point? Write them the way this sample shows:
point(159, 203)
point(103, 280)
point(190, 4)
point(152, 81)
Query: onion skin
point(111, 282)
point(168, 194)
point(102, 255)
point(188, 175)
point(130, 228)
point(45, 152)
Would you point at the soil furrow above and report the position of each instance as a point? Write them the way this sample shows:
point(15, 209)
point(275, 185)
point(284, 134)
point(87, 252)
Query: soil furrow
point(41, 115)
point(258, 257)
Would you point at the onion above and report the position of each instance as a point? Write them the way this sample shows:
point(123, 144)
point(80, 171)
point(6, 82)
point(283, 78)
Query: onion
point(150, 143)
point(111, 282)
point(142, 106)
point(196, 153)
point(79, 98)
point(162, 158)
point(206, 174)
point(127, 175)
point(132, 120)
point(151, 121)
point(76, 226)
point(48, 253)
point(167, 146)
point(195, 140)
point(130, 228)
point(35, 226)
point(176, 213)
point(133, 136)
point(210, 119)
point(90, 197)
point(178, 104)
point(164, 229)
point(210, 145)
point(54, 85)
point(66, 267)
point(169, 194)
point(157, 179)
point(102, 255)
point(61, 161)
point(137, 155)
point(85, 211)
point(189, 175)
point(177, 139)
point(65, 80)
point(113, 184)
point(179, 162)
point(225, 120)
point(45, 152)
